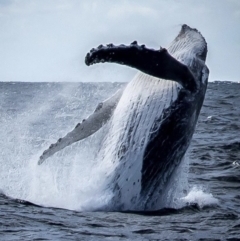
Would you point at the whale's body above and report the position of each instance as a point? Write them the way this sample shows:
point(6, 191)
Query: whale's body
point(151, 122)
point(135, 122)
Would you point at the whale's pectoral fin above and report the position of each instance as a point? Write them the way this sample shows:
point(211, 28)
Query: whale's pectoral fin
point(88, 126)
point(158, 63)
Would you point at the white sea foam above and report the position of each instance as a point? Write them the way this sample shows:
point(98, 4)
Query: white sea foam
point(71, 179)
point(198, 196)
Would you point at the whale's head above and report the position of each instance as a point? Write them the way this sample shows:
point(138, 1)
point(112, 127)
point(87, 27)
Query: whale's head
point(190, 48)
point(193, 40)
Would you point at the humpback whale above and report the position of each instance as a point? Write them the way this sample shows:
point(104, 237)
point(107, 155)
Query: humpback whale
point(151, 120)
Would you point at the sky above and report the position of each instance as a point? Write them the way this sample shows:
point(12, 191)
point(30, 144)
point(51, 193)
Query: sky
point(43, 40)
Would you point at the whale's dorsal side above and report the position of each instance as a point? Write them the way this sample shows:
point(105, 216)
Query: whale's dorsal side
point(87, 127)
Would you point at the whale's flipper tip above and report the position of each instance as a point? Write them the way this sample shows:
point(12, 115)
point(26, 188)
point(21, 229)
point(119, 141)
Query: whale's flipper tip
point(52, 149)
point(41, 160)
point(45, 155)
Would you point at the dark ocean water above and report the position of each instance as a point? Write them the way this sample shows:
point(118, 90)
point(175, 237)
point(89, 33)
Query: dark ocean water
point(58, 196)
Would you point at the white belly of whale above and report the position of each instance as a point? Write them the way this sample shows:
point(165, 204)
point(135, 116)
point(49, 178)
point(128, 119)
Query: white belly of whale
point(134, 119)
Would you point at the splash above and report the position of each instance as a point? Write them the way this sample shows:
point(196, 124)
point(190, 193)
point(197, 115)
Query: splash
point(73, 178)
point(198, 196)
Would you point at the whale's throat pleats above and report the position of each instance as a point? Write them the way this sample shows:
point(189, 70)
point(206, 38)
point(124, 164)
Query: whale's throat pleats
point(137, 116)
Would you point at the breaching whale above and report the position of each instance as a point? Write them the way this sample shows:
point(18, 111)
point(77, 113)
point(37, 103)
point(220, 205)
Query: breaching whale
point(151, 120)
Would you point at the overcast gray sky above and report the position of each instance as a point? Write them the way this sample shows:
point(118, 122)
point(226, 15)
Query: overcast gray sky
point(47, 40)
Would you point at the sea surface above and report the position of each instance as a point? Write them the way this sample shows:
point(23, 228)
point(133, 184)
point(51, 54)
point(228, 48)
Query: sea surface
point(55, 201)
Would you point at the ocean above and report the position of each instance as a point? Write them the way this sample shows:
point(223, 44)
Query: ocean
point(56, 201)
